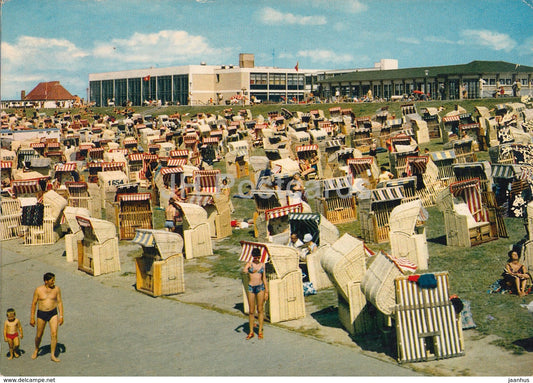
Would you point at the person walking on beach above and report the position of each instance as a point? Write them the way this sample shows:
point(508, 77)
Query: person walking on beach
point(257, 292)
point(50, 309)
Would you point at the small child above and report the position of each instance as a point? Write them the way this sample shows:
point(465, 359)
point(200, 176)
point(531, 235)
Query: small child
point(12, 332)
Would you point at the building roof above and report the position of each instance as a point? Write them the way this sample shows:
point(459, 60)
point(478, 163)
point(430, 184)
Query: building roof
point(51, 90)
point(475, 68)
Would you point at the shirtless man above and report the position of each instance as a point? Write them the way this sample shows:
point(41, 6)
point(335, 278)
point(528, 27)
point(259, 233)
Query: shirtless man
point(48, 298)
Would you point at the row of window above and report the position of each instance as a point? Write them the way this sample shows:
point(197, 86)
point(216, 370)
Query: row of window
point(284, 79)
point(169, 89)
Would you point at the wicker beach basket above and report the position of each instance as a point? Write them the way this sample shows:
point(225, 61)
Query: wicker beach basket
point(378, 283)
point(344, 263)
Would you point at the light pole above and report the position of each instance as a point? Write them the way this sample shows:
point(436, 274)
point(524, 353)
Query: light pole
point(426, 72)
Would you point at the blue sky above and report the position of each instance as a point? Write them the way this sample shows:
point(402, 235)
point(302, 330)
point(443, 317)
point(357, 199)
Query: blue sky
point(65, 40)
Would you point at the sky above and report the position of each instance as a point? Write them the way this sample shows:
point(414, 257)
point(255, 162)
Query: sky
point(65, 40)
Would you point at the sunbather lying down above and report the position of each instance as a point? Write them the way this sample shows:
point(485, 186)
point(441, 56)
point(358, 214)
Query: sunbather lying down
point(515, 275)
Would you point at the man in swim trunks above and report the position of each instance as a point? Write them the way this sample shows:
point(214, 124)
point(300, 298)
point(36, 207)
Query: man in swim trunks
point(48, 298)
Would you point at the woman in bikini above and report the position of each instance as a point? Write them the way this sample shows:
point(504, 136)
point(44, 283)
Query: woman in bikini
point(257, 292)
point(515, 274)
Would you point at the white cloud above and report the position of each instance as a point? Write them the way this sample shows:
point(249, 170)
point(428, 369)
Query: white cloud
point(439, 40)
point(351, 6)
point(409, 40)
point(161, 48)
point(273, 17)
point(38, 53)
point(494, 40)
point(324, 55)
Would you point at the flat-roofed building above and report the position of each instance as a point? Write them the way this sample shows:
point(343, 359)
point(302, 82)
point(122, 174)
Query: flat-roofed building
point(203, 84)
point(476, 79)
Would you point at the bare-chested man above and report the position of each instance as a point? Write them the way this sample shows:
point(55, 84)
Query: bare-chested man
point(48, 298)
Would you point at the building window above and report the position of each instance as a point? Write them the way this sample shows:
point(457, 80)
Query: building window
point(258, 80)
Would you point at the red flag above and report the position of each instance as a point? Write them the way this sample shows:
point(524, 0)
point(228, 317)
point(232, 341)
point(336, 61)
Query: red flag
point(296, 67)
point(146, 78)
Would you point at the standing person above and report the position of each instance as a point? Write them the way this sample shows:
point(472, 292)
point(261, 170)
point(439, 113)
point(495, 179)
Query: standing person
point(13, 333)
point(170, 214)
point(50, 309)
point(257, 292)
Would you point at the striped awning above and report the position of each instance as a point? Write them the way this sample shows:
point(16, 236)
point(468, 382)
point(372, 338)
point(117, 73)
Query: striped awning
point(260, 126)
point(282, 211)
point(470, 191)
point(129, 141)
point(54, 145)
point(207, 180)
point(201, 200)
point(86, 146)
point(450, 118)
point(68, 167)
point(335, 109)
point(83, 222)
point(403, 182)
point(171, 170)
point(159, 140)
point(470, 169)
point(359, 165)
point(95, 150)
point(416, 164)
point(6, 164)
point(333, 144)
point(27, 152)
point(179, 153)
point(215, 133)
point(154, 146)
point(336, 183)
point(107, 166)
point(135, 157)
point(304, 217)
point(150, 157)
point(506, 171)
point(306, 148)
point(26, 186)
point(190, 139)
point(211, 140)
point(176, 162)
point(403, 264)
point(133, 197)
point(442, 155)
point(246, 251)
point(144, 238)
point(387, 194)
point(37, 145)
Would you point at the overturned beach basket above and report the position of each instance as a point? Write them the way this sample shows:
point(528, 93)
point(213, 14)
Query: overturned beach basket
point(285, 286)
point(10, 218)
point(160, 269)
point(427, 327)
point(344, 264)
point(76, 233)
point(79, 196)
point(378, 281)
point(337, 203)
point(196, 231)
point(98, 251)
point(407, 233)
